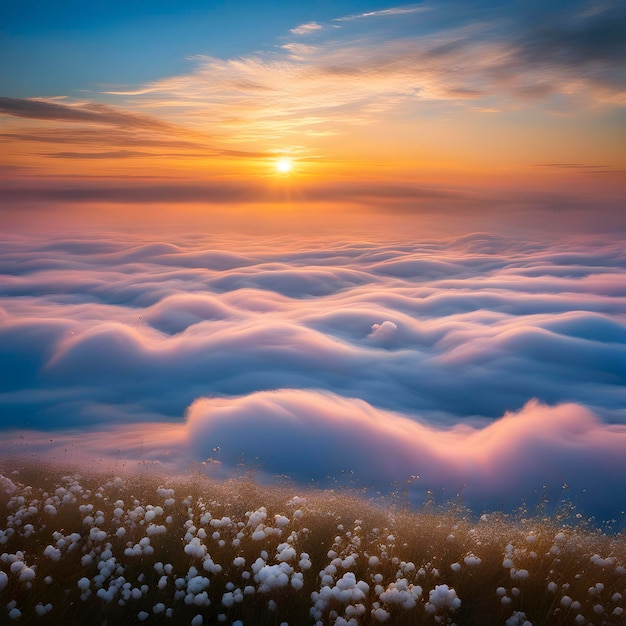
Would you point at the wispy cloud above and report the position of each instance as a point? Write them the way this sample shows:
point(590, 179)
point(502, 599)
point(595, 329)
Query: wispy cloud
point(220, 191)
point(242, 204)
point(405, 10)
point(111, 154)
point(82, 126)
point(90, 112)
point(92, 137)
point(305, 29)
point(588, 46)
point(571, 166)
point(356, 74)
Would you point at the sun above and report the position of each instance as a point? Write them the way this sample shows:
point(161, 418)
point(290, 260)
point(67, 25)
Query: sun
point(284, 165)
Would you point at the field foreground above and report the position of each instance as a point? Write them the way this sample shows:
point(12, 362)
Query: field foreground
point(106, 549)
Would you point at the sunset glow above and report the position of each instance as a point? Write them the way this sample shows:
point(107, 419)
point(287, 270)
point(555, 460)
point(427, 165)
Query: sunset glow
point(313, 313)
point(408, 99)
point(284, 165)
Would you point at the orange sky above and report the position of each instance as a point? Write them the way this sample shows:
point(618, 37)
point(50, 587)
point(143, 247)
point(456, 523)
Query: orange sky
point(418, 105)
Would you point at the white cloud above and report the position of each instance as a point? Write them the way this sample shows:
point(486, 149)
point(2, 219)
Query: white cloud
point(386, 330)
point(305, 29)
point(106, 333)
point(406, 10)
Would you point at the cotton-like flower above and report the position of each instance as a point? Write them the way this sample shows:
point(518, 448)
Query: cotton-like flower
point(27, 574)
point(402, 593)
point(15, 613)
point(442, 599)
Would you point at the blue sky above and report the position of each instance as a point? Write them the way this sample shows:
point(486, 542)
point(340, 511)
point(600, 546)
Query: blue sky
point(52, 48)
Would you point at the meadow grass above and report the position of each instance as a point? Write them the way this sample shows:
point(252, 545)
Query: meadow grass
point(99, 548)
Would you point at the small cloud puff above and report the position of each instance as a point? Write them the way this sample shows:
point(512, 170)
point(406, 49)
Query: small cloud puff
point(305, 29)
point(383, 331)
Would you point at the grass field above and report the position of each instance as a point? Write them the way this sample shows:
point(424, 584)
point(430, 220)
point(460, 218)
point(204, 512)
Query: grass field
point(97, 548)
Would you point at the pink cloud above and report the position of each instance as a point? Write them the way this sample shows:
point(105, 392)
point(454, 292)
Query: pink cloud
point(311, 435)
point(389, 358)
point(327, 433)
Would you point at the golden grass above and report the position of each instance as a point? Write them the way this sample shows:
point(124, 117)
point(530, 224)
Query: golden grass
point(500, 566)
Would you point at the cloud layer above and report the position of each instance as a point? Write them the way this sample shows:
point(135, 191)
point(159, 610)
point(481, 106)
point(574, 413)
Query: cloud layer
point(312, 435)
point(357, 68)
point(383, 358)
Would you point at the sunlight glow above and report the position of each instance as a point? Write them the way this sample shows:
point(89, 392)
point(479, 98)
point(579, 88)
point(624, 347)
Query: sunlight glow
point(284, 165)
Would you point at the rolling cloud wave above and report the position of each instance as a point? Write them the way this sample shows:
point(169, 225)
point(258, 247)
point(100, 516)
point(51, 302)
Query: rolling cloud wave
point(462, 360)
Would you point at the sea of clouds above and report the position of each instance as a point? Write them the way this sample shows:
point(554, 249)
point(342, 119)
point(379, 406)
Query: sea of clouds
point(485, 365)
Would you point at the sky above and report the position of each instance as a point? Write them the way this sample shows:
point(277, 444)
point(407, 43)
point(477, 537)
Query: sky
point(437, 107)
point(310, 235)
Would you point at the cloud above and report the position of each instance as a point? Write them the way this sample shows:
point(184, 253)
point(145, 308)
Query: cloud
point(111, 154)
point(305, 29)
point(479, 58)
point(91, 112)
point(132, 154)
point(37, 121)
point(421, 354)
point(218, 191)
point(440, 209)
point(587, 43)
point(95, 137)
point(321, 437)
point(567, 166)
point(323, 434)
point(136, 192)
point(383, 331)
point(385, 13)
